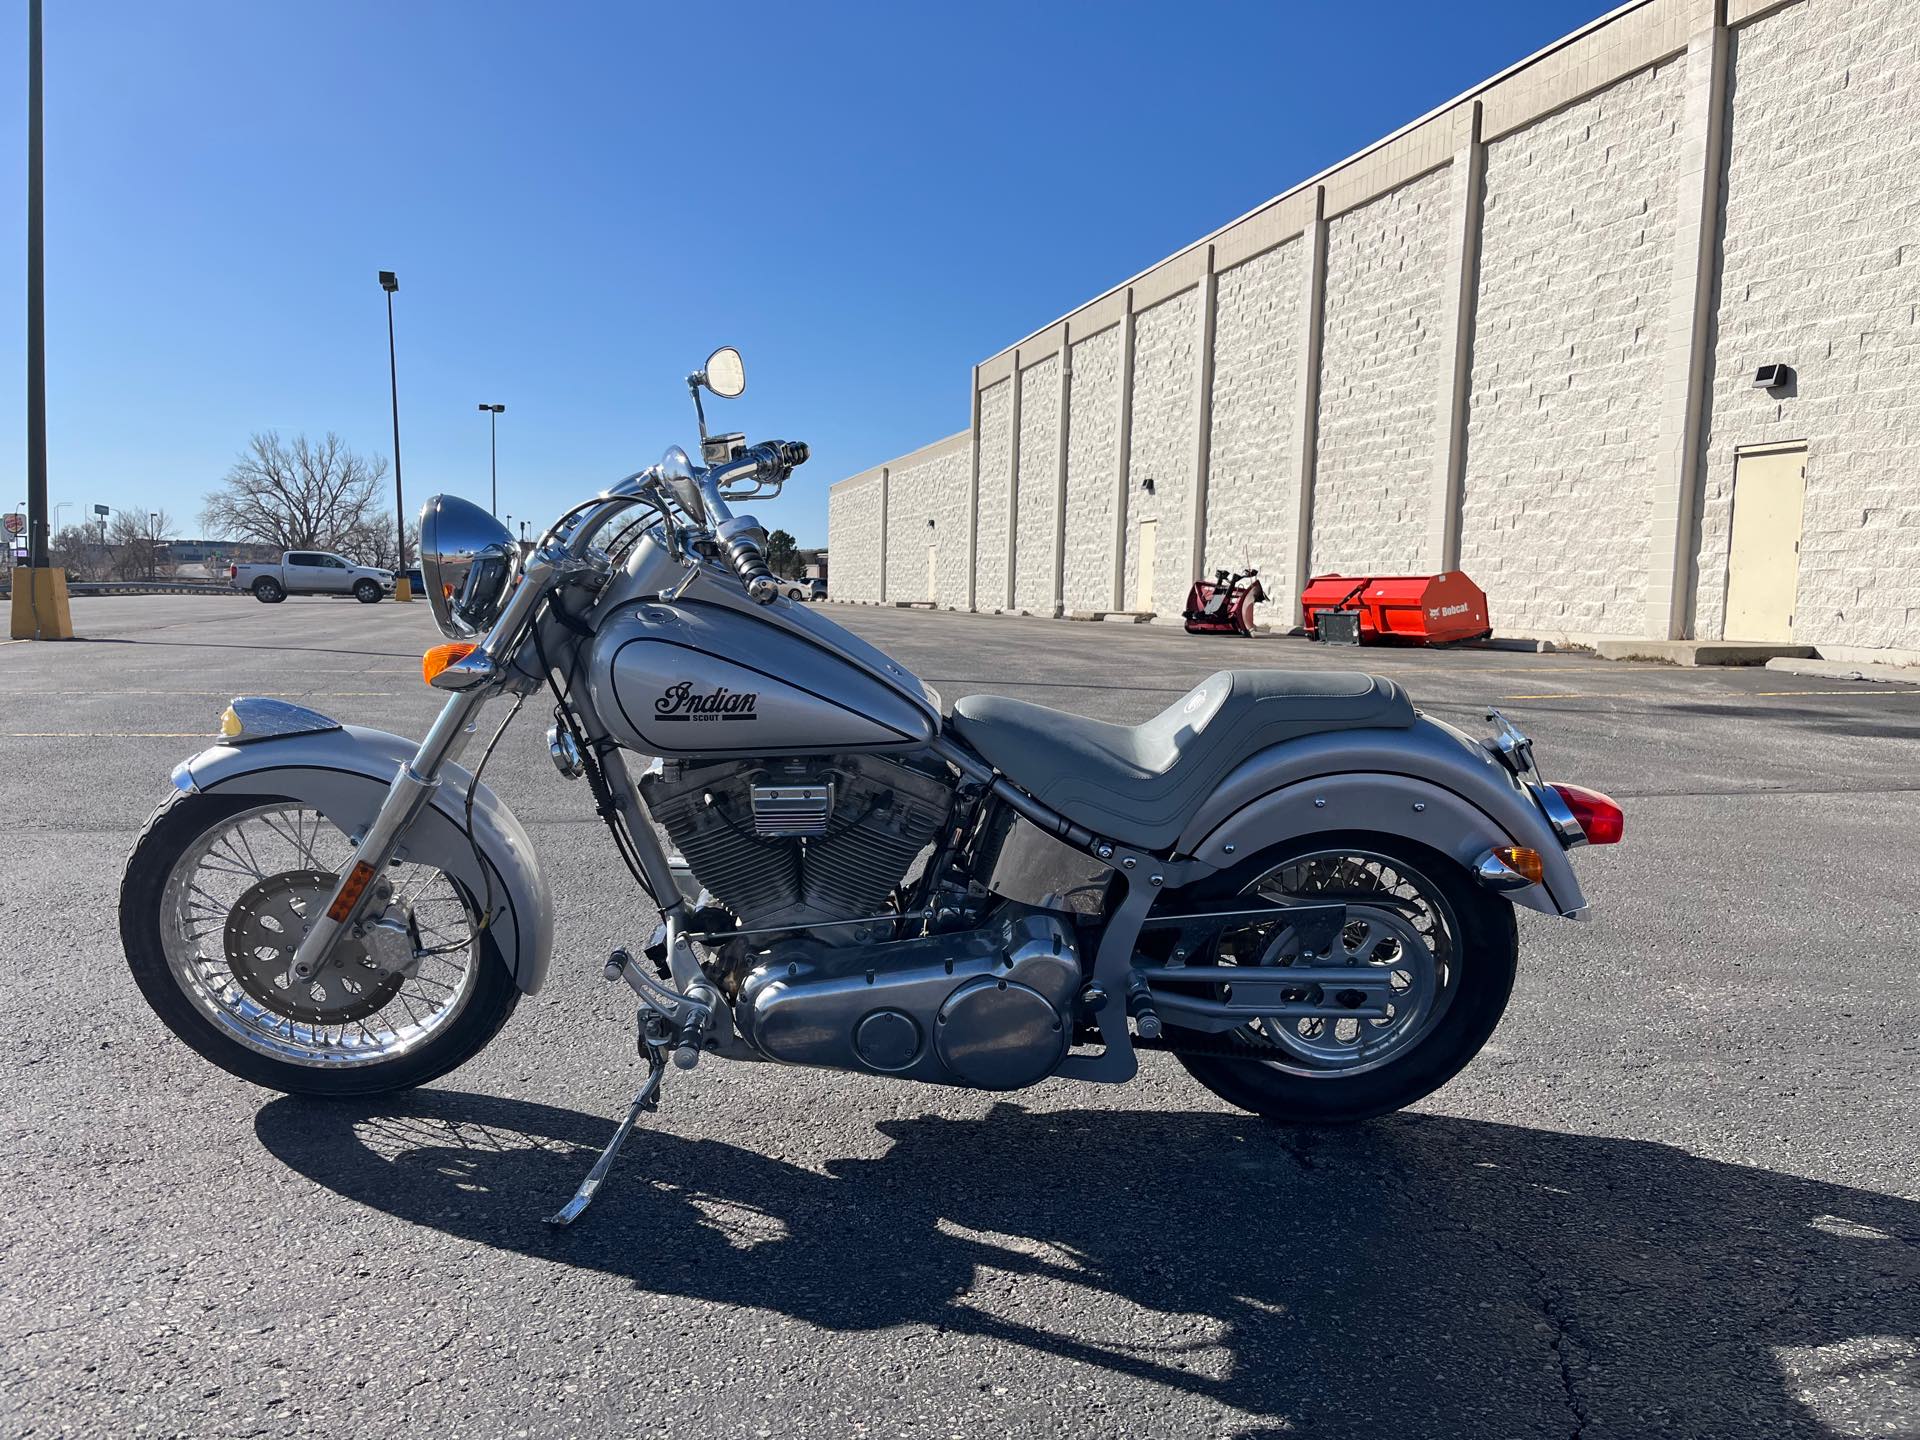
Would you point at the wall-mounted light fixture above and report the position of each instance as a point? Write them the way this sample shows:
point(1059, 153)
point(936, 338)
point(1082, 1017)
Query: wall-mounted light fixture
point(1147, 484)
point(1773, 377)
point(930, 522)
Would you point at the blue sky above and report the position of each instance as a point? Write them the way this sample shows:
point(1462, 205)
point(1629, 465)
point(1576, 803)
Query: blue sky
point(582, 199)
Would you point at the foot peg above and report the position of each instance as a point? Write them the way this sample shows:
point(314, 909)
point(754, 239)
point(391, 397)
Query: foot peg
point(648, 1099)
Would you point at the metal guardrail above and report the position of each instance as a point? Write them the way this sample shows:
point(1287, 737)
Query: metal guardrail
point(140, 587)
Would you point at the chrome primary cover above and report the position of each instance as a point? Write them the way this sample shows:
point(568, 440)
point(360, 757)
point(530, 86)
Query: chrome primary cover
point(986, 1008)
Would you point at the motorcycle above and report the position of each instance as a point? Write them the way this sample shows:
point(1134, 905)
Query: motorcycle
point(1294, 883)
point(1224, 604)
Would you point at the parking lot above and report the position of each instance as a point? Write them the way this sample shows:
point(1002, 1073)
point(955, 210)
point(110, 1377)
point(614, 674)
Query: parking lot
point(1679, 1193)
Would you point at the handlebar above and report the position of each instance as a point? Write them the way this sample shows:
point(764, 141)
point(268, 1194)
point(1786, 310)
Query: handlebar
point(772, 459)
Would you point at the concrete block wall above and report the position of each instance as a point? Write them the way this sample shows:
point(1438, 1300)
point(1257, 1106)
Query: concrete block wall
point(1576, 237)
point(856, 529)
point(1256, 388)
point(1162, 448)
point(1517, 337)
point(1093, 460)
point(1381, 333)
point(928, 485)
point(1037, 510)
point(993, 497)
point(1821, 271)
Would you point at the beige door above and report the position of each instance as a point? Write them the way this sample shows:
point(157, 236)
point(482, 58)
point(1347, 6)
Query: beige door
point(933, 572)
point(1143, 571)
point(1763, 559)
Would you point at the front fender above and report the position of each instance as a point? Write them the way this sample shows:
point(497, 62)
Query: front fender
point(1429, 784)
point(344, 774)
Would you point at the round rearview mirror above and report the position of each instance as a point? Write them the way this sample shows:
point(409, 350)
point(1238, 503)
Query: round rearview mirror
point(726, 373)
point(467, 560)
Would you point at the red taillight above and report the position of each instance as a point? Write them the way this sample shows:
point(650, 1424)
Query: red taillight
point(1603, 820)
point(233, 572)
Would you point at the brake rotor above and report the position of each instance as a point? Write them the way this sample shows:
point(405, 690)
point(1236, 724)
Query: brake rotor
point(265, 927)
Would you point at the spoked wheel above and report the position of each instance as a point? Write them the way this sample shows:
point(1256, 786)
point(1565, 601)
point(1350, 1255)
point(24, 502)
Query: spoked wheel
point(216, 898)
point(1447, 948)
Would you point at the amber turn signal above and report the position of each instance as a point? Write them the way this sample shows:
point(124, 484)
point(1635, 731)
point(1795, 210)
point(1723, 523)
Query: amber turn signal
point(441, 656)
point(1524, 862)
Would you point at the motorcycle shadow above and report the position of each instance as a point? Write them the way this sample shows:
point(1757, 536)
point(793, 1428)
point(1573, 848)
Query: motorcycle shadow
point(1405, 1276)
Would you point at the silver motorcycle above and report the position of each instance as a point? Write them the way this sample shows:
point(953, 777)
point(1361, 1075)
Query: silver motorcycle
point(1294, 882)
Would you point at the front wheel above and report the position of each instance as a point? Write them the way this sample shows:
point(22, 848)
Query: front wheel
point(367, 592)
point(216, 896)
point(1449, 946)
point(268, 591)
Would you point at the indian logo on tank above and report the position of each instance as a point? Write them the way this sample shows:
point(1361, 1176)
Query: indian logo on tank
point(683, 702)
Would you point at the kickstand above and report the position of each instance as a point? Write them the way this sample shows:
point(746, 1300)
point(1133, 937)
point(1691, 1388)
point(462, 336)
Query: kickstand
point(647, 1099)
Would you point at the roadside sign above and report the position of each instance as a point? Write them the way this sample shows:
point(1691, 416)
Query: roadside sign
point(15, 522)
point(101, 511)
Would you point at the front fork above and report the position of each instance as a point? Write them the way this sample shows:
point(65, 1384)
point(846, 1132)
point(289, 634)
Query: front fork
point(411, 792)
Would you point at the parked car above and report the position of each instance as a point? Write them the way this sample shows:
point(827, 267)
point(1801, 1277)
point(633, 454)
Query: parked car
point(794, 589)
point(311, 572)
point(816, 589)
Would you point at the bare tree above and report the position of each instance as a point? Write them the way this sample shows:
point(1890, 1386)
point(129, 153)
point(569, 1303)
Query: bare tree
point(137, 544)
point(79, 551)
point(372, 542)
point(303, 496)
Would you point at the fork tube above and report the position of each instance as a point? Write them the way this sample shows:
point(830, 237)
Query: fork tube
point(413, 786)
point(414, 783)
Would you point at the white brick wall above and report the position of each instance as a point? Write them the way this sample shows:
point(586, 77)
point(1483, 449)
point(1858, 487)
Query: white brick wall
point(1256, 392)
point(1586, 267)
point(1386, 279)
point(1575, 266)
point(1093, 452)
point(996, 459)
point(1822, 272)
point(1165, 396)
point(933, 488)
point(1039, 475)
point(853, 531)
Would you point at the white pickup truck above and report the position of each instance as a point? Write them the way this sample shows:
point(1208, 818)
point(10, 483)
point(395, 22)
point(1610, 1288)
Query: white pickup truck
point(311, 572)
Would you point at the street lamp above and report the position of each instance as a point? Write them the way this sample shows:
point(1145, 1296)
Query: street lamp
point(402, 589)
point(153, 544)
point(494, 413)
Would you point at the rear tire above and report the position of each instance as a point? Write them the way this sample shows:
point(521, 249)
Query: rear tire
point(268, 591)
point(1480, 954)
point(169, 835)
point(367, 592)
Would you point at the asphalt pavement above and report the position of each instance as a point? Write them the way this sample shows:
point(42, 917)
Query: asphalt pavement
point(1678, 1194)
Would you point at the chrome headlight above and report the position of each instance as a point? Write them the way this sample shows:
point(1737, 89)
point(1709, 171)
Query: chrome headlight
point(468, 561)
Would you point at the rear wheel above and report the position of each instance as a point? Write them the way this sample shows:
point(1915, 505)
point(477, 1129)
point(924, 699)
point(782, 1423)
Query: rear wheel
point(367, 592)
point(216, 897)
point(1449, 947)
point(268, 591)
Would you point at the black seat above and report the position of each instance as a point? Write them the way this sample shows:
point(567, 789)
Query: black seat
point(1139, 783)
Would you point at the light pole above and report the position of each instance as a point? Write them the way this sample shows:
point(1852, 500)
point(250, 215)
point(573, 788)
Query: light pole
point(153, 545)
point(402, 589)
point(39, 607)
point(493, 444)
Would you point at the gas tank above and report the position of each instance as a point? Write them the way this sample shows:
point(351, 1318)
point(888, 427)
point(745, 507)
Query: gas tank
point(687, 678)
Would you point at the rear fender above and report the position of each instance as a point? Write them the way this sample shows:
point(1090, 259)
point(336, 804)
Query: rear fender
point(1430, 784)
point(344, 773)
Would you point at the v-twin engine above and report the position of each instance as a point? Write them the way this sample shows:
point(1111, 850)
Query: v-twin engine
point(990, 1008)
point(801, 841)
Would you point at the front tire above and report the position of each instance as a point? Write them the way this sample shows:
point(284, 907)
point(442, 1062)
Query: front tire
point(367, 592)
point(1468, 934)
point(268, 591)
point(214, 984)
